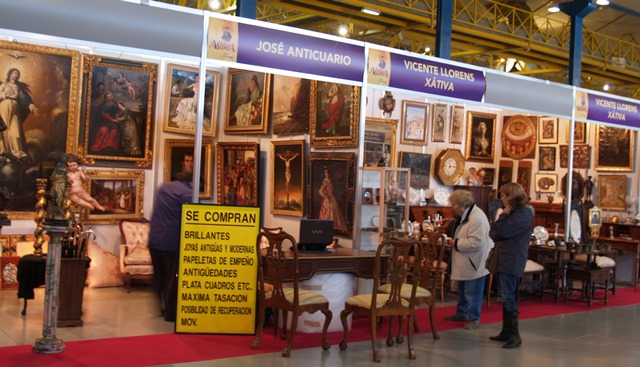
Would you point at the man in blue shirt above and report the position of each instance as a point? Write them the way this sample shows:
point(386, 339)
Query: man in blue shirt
point(164, 239)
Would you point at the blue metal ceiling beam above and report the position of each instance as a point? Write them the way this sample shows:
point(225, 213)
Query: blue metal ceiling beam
point(444, 27)
point(577, 10)
point(623, 9)
point(246, 8)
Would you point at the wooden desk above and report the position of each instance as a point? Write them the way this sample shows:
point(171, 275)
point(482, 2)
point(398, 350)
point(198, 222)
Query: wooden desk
point(344, 260)
point(625, 244)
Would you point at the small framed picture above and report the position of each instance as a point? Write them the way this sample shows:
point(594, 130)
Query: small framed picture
point(414, 123)
point(438, 124)
point(248, 105)
point(612, 192)
point(579, 133)
point(456, 129)
point(288, 163)
point(178, 156)
point(546, 182)
point(481, 137)
point(548, 130)
point(237, 173)
point(119, 191)
point(547, 158)
point(595, 217)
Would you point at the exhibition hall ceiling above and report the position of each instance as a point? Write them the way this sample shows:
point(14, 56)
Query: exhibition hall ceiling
point(518, 36)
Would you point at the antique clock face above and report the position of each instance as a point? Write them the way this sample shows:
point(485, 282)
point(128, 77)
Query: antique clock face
point(450, 166)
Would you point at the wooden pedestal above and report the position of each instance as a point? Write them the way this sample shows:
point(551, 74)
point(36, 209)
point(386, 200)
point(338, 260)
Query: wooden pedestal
point(73, 274)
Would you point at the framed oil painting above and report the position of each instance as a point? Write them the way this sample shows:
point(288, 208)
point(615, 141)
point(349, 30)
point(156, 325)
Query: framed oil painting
point(415, 120)
point(579, 133)
point(8, 249)
point(612, 192)
point(489, 174)
point(519, 136)
point(438, 129)
point(379, 142)
point(118, 112)
point(481, 136)
point(581, 156)
point(334, 115)
point(178, 156)
point(119, 191)
point(456, 127)
point(420, 165)
point(181, 101)
point(291, 99)
point(48, 78)
point(248, 104)
point(288, 159)
point(547, 158)
point(524, 175)
point(548, 130)
point(614, 149)
point(546, 182)
point(331, 190)
point(505, 173)
point(237, 173)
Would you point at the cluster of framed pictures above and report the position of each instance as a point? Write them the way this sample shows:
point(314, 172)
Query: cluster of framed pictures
point(415, 123)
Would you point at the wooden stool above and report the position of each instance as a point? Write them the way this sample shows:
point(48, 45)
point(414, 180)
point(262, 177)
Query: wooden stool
point(588, 277)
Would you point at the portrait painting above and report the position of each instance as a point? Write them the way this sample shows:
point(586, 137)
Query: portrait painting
point(248, 103)
point(481, 136)
point(547, 158)
point(178, 156)
point(334, 115)
point(489, 173)
point(505, 173)
point(438, 129)
point(330, 190)
point(414, 123)
point(290, 105)
point(519, 136)
point(581, 156)
point(546, 182)
point(380, 142)
point(548, 130)
point(119, 111)
point(579, 132)
point(287, 177)
point(38, 98)
point(420, 165)
point(237, 173)
point(612, 192)
point(524, 175)
point(120, 192)
point(181, 101)
point(595, 217)
point(614, 149)
point(456, 127)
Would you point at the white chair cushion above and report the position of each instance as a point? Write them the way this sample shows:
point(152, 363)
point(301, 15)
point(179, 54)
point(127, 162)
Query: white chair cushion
point(532, 266)
point(601, 261)
point(405, 291)
point(139, 255)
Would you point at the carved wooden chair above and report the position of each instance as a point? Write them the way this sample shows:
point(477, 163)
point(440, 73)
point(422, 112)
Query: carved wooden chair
point(278, 279)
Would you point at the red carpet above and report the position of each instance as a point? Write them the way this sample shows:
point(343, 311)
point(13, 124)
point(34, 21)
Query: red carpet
point(181, 348)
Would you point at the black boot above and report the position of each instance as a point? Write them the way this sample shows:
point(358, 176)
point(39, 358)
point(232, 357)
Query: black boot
point(506, 328)
point(514, 339)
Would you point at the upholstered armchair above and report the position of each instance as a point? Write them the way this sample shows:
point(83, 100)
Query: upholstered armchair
point(135, 258)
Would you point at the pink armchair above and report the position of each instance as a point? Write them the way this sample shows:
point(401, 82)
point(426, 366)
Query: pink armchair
point(135, 258)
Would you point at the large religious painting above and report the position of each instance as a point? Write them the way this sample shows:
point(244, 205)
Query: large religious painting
point(237, 173)
point(38, 98)
point(120, 192)
point(290, 105)
point(614, 149)
point(288, 159)
point(248, 102)
point(334, 115)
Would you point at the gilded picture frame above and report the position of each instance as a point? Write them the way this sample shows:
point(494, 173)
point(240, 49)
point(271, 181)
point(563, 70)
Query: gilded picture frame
point(414, 123)
point(614, 149)
point(380, 142)
point(548, 130)
point(581, 156)
point(519, 136)
point(181, 101)
point(481, 136)
point(248, 105)
point(456, 127)
point(118, 108)
point(438, 123)
point(291, 100)
point(334, 115)
point(612, 192)
point(49, 78)
point(579, 132)
point(174, 162)
point(334, 175)
point(237, 169)
point(547, 158)
point(287, 177)
point(546, 182)
point(8, 249)
point(119, 191)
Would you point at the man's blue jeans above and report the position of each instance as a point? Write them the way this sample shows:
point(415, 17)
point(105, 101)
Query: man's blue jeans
point(508, 285)
point(470, 298)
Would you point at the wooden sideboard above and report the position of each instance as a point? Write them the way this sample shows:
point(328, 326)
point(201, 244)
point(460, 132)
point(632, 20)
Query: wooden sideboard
point(621, 230)
point(548, 214)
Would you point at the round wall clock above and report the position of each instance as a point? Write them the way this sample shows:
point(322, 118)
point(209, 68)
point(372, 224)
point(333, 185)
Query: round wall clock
point(449, 166)
point(519, 137)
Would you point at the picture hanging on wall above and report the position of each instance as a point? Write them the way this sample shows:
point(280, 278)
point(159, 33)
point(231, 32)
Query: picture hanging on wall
point(489, 173)
point(614, 149)
point(519, 136)
point(330, 190)
point(612, 192)
point(579, 133)
point(548, 130)
point(48, 78)
point(438, 129)
point(237, 177)
point(546, 182)
point(288, 159)
point(248, 104)
point(120, 192)
point(581, 156)
point(547, 158)
point(505, 173)
point(524, 175)
point(414, 123)
point(379, 142)
point(178, 156)
point(456, 127)
point(119, 111)
point(334, 115)
point(481, 136)
point(181, 101)
point(420, 165)
point(290, 105)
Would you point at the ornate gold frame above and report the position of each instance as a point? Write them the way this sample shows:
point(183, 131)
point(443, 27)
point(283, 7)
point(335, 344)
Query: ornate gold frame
point(612, 192)
point(172, 162)
point(248, 155)
point(235, 88)
point(322, 139)
point(294, 152)
point(474, 120)
point(614, 133)
point(374, 129)
point(442, 108)
point(114, 180)
point(423, 109)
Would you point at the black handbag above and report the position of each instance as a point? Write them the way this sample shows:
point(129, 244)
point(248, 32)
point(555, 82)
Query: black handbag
point(492, 259)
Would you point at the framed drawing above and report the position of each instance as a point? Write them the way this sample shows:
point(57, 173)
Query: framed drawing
point(237, 173)
point(120, 192)
point(48, 78)
point(456, 127)
point(119, 111)
point(614, 149)
point(331, 190)
point(579, 133)
point(524, 175)
point(8, 249)
point(612, 192)
point(290, 105)
point(546, 182)
point(178, 156)
point(181, 101)
point(505, 173)
point(581, 156)
point(548, 130)
point(287, 177)
point(248, 106)
point(438, 124)
point(335, 110)
point(420, 165)
point(547, 158)
point(415, 119)
point(519, 136)
point(379, 142)
point(481, 136)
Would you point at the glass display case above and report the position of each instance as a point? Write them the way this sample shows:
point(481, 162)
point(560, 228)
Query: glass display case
point(385, 204)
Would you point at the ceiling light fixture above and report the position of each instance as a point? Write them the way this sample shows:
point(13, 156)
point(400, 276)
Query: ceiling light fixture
point(602, 2)
point(370, 11)
point(554, 8)
point(214, 4)
point(605, 87)
point(342, 30)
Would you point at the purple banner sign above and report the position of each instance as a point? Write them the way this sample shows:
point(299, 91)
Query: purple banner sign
point(607, 109)
point(437, 78)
